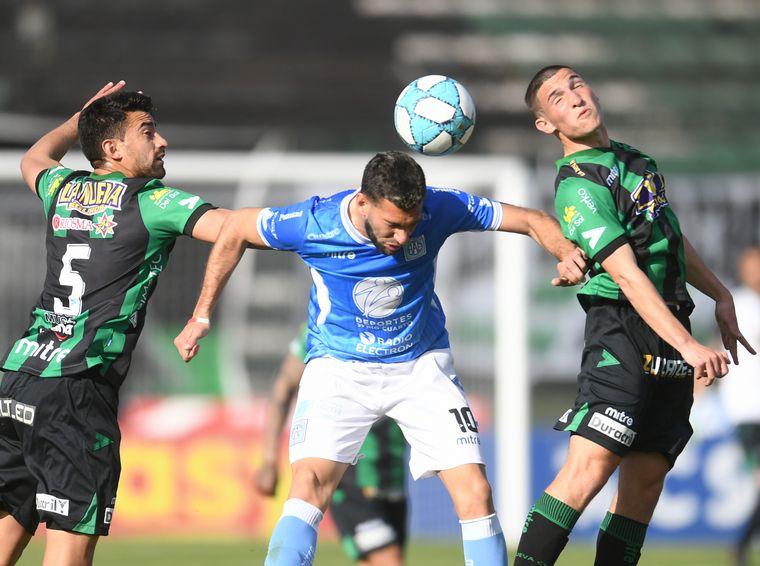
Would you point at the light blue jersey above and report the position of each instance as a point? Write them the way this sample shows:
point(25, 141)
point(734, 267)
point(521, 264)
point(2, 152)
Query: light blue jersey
point(366, 305)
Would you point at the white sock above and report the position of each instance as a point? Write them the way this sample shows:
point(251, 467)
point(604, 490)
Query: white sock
point(300, 509)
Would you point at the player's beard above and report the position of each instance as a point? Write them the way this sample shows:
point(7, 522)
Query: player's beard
point(373, 237)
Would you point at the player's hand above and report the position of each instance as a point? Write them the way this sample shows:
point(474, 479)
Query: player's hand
point(109, 88)
point(725, 316)
point(266, 480)
point(186, 341)
point(707, 363)
point(572, 269)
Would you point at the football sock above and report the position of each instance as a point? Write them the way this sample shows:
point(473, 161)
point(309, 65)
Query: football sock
point(483, 542)
point(546, 532)
point(620, 540)
point(294, 539)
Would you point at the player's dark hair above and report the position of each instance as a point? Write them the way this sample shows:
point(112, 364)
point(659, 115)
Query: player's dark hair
point(105, 118)
point(395, 176)
point(543, 75)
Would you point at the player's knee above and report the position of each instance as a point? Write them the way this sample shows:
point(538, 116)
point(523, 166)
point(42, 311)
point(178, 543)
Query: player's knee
point(589, 474)
point(307, 486)
point(474, 499)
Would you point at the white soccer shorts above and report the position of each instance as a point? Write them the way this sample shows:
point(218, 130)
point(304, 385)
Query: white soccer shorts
point(339, 401)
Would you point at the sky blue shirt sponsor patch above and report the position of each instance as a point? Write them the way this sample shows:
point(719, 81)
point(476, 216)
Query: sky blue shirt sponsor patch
point(365, 305)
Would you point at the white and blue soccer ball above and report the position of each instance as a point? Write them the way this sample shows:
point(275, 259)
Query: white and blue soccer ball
point(434, 115)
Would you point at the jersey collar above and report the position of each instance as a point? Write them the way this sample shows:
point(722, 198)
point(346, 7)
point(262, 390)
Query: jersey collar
point(357, 236)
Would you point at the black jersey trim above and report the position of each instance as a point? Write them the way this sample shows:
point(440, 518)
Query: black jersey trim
point(610, 248)
point(195, 216)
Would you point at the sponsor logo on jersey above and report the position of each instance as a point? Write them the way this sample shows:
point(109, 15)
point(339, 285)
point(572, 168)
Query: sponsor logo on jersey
point(593, 236)
point(291, 215)
point(565, 416)
point(415, 248)
point(576, 169)
point(658, 366)
point(572, 218)
point(46, 352)
point(469, 439)
point(163, 197)
point(324, 235)
point(104, 225)
point(62, 326)
point(394, 324)
point(59, 222)
point(339, 255)
point(378, 297)
point(92, 196)
point(649, 197)
point(11, 409)
point(619, 416)
point(373, 345)
point(587, 199)
point(50, 504)
point(612, 177)
point(615, 430)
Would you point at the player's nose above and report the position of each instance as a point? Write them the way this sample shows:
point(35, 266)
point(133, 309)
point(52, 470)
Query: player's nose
point(401, 236)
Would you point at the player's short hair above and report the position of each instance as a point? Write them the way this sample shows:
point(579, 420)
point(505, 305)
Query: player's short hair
point(543, 75)
point(395, 176)
point(105, 118)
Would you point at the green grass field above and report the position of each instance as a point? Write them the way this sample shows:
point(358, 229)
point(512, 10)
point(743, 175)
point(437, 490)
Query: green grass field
point(191, 552)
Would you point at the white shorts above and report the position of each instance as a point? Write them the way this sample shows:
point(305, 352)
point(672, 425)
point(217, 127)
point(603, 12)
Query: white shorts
point(339, 401)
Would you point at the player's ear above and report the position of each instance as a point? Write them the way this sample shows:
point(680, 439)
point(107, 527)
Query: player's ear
point(544, 125)
point(111, 150)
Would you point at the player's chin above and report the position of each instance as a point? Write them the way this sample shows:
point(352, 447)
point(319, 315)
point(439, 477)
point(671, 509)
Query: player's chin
point(158, 171)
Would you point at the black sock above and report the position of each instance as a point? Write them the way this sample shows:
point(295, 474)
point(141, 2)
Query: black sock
point(751, 527)
point(545, 532)
point(619, 542)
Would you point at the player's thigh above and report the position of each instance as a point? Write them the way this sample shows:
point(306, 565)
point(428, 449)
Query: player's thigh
point(642, 475)
point(368, 526)
point(13, 538)
point(435, 417)
point(69, 549)
point(72, 450)
point(334, 411)
point(613, 391)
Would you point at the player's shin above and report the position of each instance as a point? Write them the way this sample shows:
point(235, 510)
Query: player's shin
point(294, 539)
point(620, 540)
point(483, 542)
point(546, 531)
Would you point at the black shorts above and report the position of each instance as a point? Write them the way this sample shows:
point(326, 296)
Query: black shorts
point(749, 438)
point(59, 451)
point(366, 522)
point(634, 390)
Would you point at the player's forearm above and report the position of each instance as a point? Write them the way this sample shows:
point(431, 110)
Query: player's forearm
point(546, 232)
point(645, 299)
point(222, 261)
point(701, 277)
point(56, 143)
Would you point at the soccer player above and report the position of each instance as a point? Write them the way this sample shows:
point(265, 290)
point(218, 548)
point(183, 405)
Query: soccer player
point(369, 506)
point(108, 238)
point(739, 394)
point(377, 344)
point(639, 360)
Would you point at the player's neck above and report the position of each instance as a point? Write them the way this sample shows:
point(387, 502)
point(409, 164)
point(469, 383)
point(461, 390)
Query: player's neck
point(597, 138)
point(355, 217)
point(108, 168)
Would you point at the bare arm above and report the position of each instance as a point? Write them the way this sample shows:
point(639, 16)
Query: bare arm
point(238, 231)
point(48, 151)
point(701, 277)
point(545, 231)
point(209, 225)
point(643, 296)
point(283, 392)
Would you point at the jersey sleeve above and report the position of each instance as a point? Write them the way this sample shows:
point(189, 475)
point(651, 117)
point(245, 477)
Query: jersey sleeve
point(589, 218)
point(171, 212)
point(462, 212)
point(284, 227)
point(48, 182)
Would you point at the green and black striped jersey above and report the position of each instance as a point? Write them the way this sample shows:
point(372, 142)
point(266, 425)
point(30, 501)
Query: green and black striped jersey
point(608, 197)
point(108, 239)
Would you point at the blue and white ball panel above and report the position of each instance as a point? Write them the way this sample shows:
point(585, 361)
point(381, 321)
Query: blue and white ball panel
point(365, 305)
point(434, 115)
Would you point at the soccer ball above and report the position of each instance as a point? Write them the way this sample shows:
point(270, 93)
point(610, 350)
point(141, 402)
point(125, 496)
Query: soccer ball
point(434, 115)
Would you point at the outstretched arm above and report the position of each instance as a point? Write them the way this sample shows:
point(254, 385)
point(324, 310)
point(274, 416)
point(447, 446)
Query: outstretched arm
point(283, 391)
point(643, 296)
point(546, 232)
point(701, 277)
point(238, 231)
point(48, 151)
